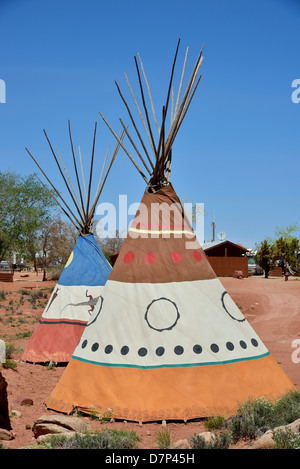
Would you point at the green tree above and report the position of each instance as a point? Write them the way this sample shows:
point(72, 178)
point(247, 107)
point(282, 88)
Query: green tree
point(56, 242)
point(9, 230)
point(264, 256)
point(286, 252)
point(287, 247)
point(294, 252)
point(287, 233)
point(283, 250)
point(24, 205)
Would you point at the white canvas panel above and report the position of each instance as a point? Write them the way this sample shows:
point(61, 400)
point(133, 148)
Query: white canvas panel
point(72, 302)
point(169, 324)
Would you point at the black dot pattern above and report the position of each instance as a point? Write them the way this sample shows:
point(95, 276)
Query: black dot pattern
point(160, 351)
point(197, 349)
point(214, 348)
point(124, 350)
point(95, 347)
point(108, 349)
point(177, 350)
point(142, 352)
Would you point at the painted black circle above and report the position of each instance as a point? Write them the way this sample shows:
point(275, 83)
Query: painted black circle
point(197, 348)
point(229, 346)
point(178, 350)
point(223, 304)
point(124, 350)
point(95, 347)
point(160, 351)
point(214, 348)
point(108, 349)
point(167, 327)
point(84, 343)
point(142, 352)
point(243, 344)
point(254, 342)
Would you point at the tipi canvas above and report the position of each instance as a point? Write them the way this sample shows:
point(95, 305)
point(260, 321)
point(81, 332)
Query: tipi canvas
point(80, 284)
point(166, 341)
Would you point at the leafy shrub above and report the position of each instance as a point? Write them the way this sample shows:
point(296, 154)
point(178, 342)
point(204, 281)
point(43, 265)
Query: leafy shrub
point(286, 439)
point(10, 349)
point(106, 439)
point(2, 295)
point(24, 292)
point(215, 423)
point(287, 408)
point(23, 335)
point(252, 419)
point(255, 417)
point(163, 439)
point(10, 364)
point(221, 441)
point(103, 415)
point(54, 272)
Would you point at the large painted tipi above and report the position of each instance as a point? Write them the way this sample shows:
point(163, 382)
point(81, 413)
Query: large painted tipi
point(80, 284)
point(166, 341)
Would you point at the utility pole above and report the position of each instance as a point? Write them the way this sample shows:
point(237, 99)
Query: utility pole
point(214, 226)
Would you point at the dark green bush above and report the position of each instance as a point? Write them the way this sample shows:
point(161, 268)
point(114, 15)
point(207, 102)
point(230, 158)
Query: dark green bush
point(2, 295)
point(221, 441)
point(287, 408)
point(215, 423)
point(286, 439)
point(255, 417)
point(106, 439)
point(252, 419)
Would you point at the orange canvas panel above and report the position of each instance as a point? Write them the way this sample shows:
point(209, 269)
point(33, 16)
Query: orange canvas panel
point(157, 394)
point(54, 340)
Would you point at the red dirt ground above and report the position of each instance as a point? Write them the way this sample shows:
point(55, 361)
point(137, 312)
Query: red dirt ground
point(272, 306)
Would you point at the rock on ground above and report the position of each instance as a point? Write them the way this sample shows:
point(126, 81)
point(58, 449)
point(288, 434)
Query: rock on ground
point(47, 424)
point(266, 441)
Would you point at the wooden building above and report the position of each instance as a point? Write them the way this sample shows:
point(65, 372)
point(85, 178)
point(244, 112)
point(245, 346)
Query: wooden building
point(226, 257)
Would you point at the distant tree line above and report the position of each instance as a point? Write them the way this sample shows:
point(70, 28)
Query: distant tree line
point(282, 251)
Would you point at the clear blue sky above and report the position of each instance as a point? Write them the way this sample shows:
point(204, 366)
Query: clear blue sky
point(238, 148)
